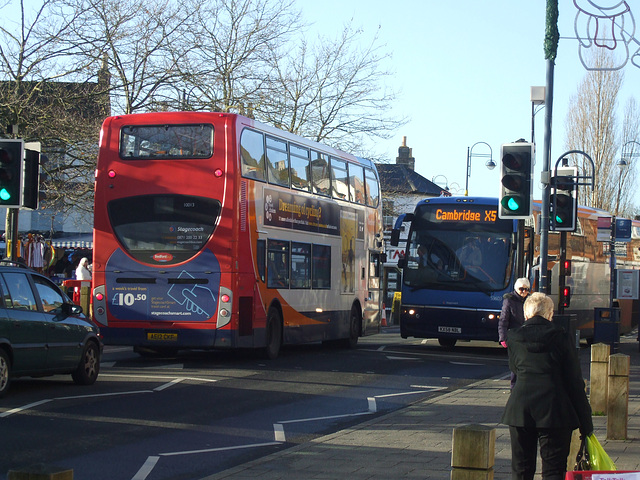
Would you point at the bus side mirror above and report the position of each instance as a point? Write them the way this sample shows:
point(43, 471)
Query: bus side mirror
point(395, 237)
point(402, 261)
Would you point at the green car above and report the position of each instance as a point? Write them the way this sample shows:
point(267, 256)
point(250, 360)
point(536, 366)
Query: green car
point(42, 332)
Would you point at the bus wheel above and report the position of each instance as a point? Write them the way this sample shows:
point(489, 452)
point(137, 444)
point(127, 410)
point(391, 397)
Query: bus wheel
point(447, 342)
point(354, 328)
point(273, 334)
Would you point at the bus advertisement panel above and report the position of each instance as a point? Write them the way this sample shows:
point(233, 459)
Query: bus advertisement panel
point(214, 231)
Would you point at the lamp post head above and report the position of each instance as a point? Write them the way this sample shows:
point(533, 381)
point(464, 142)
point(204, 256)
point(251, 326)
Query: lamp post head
point(490, 164)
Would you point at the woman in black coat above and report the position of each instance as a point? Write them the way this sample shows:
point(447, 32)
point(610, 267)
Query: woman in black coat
point(548, 400)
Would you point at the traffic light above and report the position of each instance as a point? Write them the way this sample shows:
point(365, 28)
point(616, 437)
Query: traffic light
point(11, 155)
point(565, 301)
point(516, 165)
point(564, 200)
point(565, 268)
point(31, 189)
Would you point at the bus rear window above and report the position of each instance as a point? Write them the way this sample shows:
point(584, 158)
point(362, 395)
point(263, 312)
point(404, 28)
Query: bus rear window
point(164, 229)
point(145, 142)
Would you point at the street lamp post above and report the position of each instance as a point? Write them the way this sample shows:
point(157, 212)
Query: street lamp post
point(490, 164)
point(623, 163)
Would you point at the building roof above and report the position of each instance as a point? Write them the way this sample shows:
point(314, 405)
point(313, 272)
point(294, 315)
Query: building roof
point(400, 179)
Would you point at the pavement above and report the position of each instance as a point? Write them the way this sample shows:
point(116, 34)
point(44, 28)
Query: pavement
point(415, 442)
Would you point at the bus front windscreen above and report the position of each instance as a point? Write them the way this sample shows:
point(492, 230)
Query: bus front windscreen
point(459, 248)
point(165, 229)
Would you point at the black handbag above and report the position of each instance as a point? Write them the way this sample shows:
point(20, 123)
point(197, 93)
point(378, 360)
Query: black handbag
point(583, 464)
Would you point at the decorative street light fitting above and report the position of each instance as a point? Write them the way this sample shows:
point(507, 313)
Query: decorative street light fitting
point(490, 164)
point(446, 181)
point(623, 163)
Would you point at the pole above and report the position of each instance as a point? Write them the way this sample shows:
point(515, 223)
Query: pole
point(466, 185)
point(562, 278)
point(612, 262)
point(551, 38)
point(544, 213)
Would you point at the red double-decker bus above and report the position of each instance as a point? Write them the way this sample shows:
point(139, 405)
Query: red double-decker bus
point(212, 230)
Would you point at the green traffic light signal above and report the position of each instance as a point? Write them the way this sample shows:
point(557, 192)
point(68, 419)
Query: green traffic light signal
point(563, 201)
point(516, 167)
point(514, 204)
point(11, 154)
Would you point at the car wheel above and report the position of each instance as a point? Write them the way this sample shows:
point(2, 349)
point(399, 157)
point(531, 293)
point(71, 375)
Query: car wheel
point(89, 366)
point(5, 372)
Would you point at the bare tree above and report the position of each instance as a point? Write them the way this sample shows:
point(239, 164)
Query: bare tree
point(228, 67)
point(593, 127)
point(46, 90)
point(332, 91)
point(629, 153)
point(141, 42)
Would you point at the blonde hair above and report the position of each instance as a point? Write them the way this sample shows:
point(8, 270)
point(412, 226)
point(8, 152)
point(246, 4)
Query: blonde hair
point(538, 304)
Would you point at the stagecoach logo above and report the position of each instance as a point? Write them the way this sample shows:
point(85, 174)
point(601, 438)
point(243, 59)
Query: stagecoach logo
point(163, 257)
point(268, 208)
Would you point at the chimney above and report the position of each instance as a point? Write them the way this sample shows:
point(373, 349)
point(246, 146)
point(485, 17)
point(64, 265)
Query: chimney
point(405, 157)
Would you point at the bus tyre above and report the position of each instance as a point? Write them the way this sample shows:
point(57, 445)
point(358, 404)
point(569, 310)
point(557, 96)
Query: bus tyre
point(355, 322)
point(447, 342)
point(5, 372)
point(89, 366)
point(273, 334)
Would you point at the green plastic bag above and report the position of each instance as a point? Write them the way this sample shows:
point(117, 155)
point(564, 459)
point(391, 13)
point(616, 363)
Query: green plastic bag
point(599, 459)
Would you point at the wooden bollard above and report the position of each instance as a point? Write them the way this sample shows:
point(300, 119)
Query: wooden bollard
point(473, 452)
point(618, 396)
point(41, 472)
point(85, 297)
point(599, 378)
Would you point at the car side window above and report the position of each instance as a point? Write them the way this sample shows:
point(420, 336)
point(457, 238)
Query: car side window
point(50, 296)
point(21, 295)
point(5, 299)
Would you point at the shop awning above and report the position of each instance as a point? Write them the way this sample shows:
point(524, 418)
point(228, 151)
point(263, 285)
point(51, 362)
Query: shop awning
point(77, 241)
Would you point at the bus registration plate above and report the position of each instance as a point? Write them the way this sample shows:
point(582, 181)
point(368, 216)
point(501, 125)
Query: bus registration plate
point(442, 329)
point(162, 337)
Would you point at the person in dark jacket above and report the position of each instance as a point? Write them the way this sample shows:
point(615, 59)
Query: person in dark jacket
point(548, 401)
point(512, 315)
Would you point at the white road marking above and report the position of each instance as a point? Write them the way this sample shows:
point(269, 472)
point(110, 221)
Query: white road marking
point(158, 377)
point(145, 470)
point(25, 407)
point(401, 358)
point(172, 381)
point(151, 461)
point(278, 432)
point(167, 385)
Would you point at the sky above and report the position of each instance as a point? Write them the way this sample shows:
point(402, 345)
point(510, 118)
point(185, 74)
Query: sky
point(464, 70)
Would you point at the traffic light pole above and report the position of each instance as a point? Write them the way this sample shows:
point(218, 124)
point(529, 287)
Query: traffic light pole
point(12, 233)
point(612, 262)
point(546, 153)
point(561, 277)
